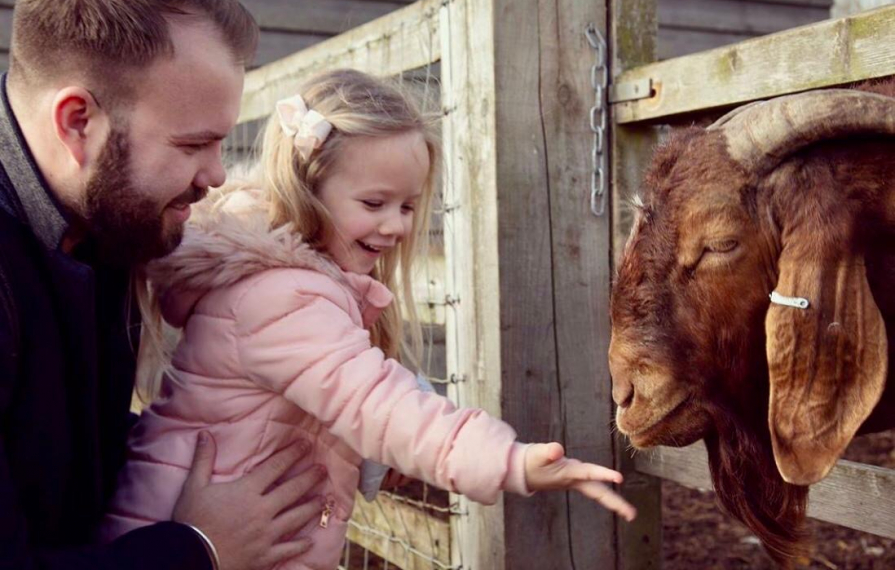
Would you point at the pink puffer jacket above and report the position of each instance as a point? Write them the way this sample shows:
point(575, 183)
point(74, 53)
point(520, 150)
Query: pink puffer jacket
point(275, 349)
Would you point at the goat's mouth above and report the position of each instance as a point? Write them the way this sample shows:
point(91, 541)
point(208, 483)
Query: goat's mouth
point(682, 424)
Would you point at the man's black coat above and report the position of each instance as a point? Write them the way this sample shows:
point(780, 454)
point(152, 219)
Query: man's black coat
point(66, 376)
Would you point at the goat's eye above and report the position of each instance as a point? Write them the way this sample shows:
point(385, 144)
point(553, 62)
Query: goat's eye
point(722, 246)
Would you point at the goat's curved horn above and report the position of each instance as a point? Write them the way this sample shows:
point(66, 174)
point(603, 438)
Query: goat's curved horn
point(760, 135)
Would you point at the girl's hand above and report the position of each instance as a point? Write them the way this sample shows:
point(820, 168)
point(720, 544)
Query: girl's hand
point(547, 468)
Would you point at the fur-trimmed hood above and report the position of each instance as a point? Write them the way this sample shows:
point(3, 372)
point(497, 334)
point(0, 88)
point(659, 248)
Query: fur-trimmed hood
point(227, 239)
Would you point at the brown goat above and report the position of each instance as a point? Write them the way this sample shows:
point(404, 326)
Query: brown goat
point(796, 196)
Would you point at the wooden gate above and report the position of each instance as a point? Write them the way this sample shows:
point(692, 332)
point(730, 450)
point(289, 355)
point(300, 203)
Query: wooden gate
point(522, 283)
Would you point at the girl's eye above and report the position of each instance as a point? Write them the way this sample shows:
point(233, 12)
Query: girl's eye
point(407, 208)
point(372, 204)
point(723, 246)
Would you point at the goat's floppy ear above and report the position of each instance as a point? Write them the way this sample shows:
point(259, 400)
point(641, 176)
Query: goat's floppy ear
point(827, 363)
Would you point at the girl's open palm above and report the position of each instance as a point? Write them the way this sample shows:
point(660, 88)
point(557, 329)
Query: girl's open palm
point(547, 468)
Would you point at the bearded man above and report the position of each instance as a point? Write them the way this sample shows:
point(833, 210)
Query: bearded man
point(112, 118)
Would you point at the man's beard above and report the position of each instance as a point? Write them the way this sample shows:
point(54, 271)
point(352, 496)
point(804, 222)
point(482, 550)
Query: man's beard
point(125, 222)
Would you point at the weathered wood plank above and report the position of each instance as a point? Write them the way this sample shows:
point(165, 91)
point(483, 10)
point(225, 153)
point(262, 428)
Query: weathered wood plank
point(822, 3)
point(845, 7)
point(736, 16)
point(580, 247)
point(402, 40)
point(501, 336)
point(471, 252)
point(854, 495)
point(676, 43)
point(633, 36)
point(286, 26)
point(429, 289)
point(318, 16)
point(829, 53)
point(400, 533)
point(5, 28)
point(536, 528)
point(274, 45)
point(691, 26)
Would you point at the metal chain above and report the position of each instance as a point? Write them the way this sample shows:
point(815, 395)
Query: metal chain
point(599, 80)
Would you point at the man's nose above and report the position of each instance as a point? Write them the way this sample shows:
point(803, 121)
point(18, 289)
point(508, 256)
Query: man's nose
point(212, 174)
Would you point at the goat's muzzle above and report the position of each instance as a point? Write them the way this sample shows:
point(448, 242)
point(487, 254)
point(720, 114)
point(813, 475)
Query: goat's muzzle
point(654, 407)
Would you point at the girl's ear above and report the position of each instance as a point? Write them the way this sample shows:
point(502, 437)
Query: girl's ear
point(79, 123)
point(827, 363)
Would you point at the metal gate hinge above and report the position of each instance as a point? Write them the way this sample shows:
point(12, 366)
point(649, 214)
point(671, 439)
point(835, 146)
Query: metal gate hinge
point(631, 90)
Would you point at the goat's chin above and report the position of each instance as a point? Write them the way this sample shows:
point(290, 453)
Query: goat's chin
point(681, 425)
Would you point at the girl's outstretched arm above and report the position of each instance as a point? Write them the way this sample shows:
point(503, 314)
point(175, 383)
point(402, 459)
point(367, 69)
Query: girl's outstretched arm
point(297, 339)
point(295, 336)
point(547, 468)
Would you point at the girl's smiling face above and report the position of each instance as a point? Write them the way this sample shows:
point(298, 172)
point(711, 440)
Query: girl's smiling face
point(371, 197)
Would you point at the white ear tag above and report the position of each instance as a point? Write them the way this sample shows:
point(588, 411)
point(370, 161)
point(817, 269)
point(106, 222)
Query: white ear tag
point(797, 302)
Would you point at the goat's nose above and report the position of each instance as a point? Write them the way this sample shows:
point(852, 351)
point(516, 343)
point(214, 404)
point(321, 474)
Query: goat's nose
point(622, 392)
point(622, 388)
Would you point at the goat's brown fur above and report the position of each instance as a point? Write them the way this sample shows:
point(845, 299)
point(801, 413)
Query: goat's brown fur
point(689, 352)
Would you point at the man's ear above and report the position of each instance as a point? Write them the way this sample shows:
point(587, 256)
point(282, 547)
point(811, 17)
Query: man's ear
point(79, 124)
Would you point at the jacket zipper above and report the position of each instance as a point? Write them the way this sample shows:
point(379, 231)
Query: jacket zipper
point(327, 512)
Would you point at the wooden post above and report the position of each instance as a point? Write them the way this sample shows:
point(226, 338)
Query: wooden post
point(472, 322)
point(528, 262)
point(633, 42)
point(582, 535)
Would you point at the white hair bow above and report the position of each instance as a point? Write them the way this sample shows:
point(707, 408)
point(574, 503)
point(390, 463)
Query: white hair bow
point(307, 128)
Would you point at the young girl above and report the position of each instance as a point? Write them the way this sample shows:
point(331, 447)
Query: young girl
point(283, 289)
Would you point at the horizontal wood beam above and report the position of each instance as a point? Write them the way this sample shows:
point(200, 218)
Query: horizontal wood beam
point(736, 16)
point(403, 40)
point(318, 16)
point(821, 3)
point(854, 495)
point(834, 52)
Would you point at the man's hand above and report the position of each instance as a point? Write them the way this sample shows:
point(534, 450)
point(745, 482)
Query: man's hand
point(247, 519)
point(547, 468)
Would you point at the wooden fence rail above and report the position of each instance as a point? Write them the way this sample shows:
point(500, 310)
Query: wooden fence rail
point(402, 534)
point(854, 495)
point(833, 52)
point(401, 41)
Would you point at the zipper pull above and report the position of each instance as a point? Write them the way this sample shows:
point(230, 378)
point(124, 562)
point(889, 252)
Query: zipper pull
point(327, 512)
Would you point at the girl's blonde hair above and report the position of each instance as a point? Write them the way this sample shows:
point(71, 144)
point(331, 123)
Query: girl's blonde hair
point(357, 105)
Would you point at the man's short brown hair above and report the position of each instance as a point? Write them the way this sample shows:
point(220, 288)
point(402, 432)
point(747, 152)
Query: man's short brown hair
point(107, 40)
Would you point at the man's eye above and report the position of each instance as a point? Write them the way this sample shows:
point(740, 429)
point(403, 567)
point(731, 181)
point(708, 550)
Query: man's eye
point(194, 147)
